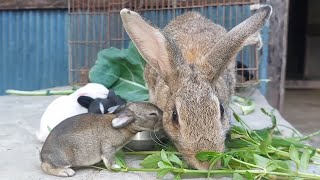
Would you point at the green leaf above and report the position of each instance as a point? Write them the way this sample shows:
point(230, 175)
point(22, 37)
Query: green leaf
point(119, 158)
point(122, 71)
point(164, 157)
point(264, 111)
point(260, 160)
point(313, 152)
point(286, 142)
point(265, 142)
point(177, 177)
point(173, 158)
point(298, 178)
point(226, 159)
point(271, 166)
point(212, 163)
point(248, 176)
point(283, 166)
point(272, 116)
point(237, 176)
point(207, 155)
point(294, 155)
point(305, 158)
point(164, 165)
point(248, 107)
point(273, 120)
point(237, 117)
point(239, 99)
point(162, 172)
point(151, 161)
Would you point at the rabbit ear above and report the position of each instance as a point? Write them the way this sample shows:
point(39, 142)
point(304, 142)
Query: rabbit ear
point(122, 121)
point(111, 94)
point(113, 109)
point(85, 101)
point(150, 42)
point(232, 42)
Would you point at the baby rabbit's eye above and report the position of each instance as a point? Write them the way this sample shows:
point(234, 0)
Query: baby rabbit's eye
point(153, 114)
point(221, 110)
point(175, 116)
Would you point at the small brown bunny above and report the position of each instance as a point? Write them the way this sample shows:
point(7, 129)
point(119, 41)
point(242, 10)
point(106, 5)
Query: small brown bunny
point(87, 139)
point(190, 73)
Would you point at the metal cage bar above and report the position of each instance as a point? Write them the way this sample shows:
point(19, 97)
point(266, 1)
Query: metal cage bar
point(96, 24)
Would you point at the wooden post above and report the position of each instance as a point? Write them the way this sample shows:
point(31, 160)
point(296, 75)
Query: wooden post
point(277, 52)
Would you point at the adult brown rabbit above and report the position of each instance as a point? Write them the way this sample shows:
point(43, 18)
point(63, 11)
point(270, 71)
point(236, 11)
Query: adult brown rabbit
point(85, 139)
point(191, 75)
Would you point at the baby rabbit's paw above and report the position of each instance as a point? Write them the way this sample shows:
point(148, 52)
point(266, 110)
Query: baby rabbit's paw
point(67, 172)
point(115, 167)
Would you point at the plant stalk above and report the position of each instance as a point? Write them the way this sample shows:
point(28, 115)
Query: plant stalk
point(191, 171)
point(310, 136)
point(39, 93)
point(149, 152)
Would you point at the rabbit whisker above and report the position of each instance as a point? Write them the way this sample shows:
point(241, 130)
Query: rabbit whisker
point(155, 134)
point(159, 143)
point(128, 148)
point(157, 140)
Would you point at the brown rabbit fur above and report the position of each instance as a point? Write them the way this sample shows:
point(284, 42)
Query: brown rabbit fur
point(191, 74)
point(85, 139)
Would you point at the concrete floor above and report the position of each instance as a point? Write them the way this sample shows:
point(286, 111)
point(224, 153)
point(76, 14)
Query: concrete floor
point(302, 110)
point(19, 149)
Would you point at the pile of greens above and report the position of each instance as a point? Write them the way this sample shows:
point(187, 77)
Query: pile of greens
point(250, 154)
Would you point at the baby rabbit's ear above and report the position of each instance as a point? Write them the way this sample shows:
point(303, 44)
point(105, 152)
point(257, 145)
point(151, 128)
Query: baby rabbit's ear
point(85, 101)
point(149, 41)
point(113, 109)
point(122, 121)
point(232, 42)
point(111, 94)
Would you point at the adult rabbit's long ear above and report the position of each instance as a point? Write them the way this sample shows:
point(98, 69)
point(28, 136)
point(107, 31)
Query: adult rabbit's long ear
point(149, 40)
point(225, 50)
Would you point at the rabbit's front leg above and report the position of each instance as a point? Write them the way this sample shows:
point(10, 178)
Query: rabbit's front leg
point(108, 155)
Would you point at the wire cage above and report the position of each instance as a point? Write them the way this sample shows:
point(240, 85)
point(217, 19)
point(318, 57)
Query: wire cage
point(96, 24)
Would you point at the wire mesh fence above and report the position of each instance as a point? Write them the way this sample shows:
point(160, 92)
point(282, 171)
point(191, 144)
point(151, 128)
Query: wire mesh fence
point(96, 24)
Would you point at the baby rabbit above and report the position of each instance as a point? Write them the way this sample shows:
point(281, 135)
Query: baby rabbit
point(101, 105)
point(66, 106)
point(85, 139)
point(190, 73)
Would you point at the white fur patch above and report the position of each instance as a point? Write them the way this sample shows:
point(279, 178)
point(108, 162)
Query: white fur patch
point(115, 166)
point(101, 108)
point(112, 109)
point(116, 122)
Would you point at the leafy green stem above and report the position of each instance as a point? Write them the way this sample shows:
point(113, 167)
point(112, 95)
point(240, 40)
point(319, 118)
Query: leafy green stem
point(191, 171)
point(309, 136)
point(148, 152)
point(248, 164)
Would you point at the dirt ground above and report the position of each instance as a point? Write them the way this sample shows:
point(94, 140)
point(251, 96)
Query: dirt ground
point(302, 110)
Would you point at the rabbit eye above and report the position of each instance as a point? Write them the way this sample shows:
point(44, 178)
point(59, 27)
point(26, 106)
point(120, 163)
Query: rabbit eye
point(221, 110)
point(175, 116)
point(153, 114)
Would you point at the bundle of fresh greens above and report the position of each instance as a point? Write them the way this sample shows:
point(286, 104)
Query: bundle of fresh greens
point(250, 154)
